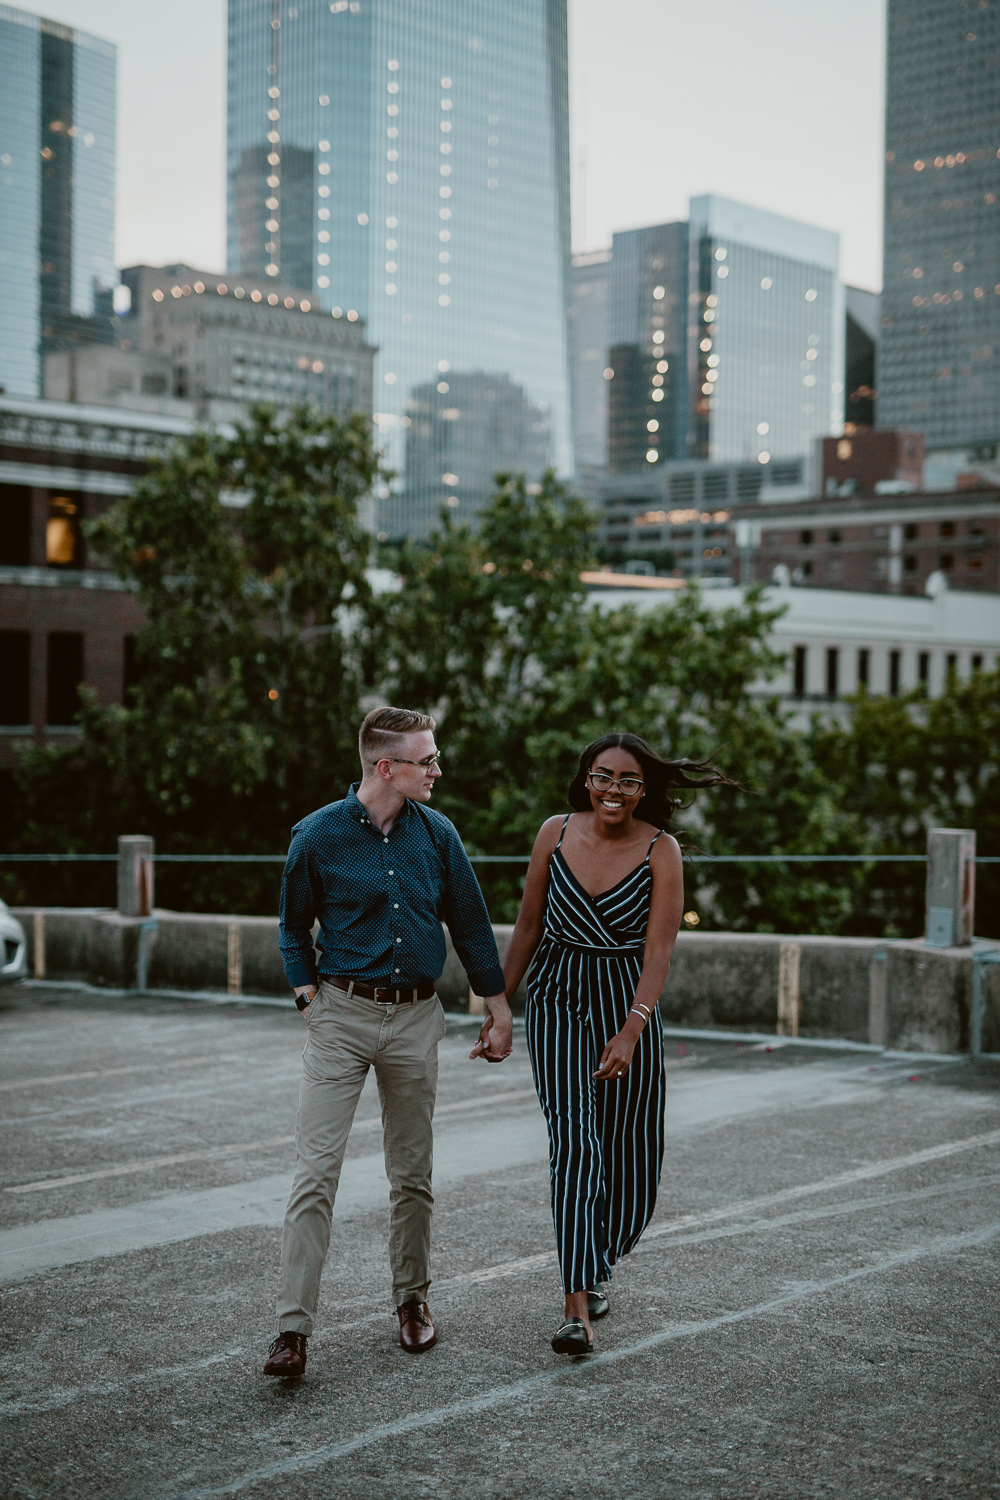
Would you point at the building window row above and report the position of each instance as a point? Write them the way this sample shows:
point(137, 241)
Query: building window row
point(824, 671)
point(65, 672)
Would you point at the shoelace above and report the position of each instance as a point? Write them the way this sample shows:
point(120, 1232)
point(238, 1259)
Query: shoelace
point(415, 1311)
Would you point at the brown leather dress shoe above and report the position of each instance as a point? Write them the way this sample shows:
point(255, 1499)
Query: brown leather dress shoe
point(287, 1355)
point(416, 1331)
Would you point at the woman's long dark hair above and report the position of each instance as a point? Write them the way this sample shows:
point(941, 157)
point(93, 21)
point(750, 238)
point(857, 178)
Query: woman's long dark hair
point(660, 777)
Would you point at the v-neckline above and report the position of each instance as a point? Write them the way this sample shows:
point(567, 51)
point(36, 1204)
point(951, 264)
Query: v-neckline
point(600, 894)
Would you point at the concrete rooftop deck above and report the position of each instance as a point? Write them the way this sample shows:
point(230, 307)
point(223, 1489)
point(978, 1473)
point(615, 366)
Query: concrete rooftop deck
point(812, 1311)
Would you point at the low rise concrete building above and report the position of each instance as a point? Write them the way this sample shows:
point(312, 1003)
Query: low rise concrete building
point(836, 641)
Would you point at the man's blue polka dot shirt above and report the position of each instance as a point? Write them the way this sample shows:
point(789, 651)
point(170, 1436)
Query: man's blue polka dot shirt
point(380, 900)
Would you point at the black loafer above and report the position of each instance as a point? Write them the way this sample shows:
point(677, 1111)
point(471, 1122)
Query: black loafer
point(572, 1338)
point(598, 1305)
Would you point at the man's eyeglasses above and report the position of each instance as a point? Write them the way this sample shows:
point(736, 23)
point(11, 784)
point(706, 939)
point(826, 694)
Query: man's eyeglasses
point(425, 765)
point(627, 785)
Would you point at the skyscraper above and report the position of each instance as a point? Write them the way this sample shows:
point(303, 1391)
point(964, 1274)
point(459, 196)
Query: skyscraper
point(648, 340)
point(723, 339)
point(57, 172)
point(766, 351)
point(939, 353)
point(589, 314)
point(409, 165)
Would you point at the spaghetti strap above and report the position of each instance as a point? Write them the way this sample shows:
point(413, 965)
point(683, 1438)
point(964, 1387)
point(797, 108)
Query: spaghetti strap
point(563, 830)
point(652, 842)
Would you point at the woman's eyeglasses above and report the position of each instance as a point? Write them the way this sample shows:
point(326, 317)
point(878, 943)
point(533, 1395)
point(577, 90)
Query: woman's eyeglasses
point(627, 785)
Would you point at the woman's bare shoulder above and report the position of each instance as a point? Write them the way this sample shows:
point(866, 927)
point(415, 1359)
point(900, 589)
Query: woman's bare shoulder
point(547, 836)
point(666, 853)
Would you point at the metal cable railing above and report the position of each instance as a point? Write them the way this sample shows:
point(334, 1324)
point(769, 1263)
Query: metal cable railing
point(496, 859)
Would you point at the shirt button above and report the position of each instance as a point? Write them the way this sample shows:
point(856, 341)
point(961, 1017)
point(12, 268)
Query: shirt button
point(392, 872)
point(399, 940)
point(385, 841)
point(395, 906)
point(397, 971)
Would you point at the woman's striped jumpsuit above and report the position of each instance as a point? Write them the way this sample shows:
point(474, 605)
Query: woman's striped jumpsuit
point(605, 1139)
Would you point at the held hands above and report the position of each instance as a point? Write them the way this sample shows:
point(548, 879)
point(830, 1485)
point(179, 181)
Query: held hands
point(496, 1035)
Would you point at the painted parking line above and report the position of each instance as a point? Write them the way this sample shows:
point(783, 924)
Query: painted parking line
point(830, 1184)
point(468, 1149)
point(150, 1067)
point(238, 1148)
point(533, 1384)
point(54, 1399)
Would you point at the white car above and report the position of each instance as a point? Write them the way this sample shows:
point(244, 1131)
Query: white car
point(14, 953)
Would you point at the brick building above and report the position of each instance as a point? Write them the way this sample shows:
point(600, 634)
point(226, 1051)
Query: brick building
point(63, 619)
point(870, 463)
point(889, 545)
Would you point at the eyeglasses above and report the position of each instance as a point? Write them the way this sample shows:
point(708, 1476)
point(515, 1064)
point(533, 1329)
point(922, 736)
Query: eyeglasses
point(425, 765)
point(627, 785)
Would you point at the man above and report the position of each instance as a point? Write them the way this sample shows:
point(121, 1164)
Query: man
point(379, 871)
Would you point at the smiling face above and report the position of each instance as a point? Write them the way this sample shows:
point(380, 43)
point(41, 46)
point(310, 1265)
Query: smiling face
point(612, 805)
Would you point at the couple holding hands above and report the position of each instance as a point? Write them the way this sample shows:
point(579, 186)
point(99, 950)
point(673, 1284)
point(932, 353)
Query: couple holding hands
point(380, 871)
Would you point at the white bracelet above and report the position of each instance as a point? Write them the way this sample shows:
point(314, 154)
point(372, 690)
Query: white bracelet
point(645, 1013)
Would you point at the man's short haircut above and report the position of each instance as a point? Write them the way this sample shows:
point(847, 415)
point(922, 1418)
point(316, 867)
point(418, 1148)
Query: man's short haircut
point(382, 731)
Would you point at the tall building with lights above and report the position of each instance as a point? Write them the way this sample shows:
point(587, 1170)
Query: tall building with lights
point(647, 347)
point(722, 340)
point(409, 165)
point(939, 352)
point(766, 334)
point(57, 209)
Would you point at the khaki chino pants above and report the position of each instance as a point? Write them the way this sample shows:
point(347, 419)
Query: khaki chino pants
point(347, 1036)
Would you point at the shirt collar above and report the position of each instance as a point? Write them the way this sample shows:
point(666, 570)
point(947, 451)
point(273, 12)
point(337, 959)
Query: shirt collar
point(358, 811)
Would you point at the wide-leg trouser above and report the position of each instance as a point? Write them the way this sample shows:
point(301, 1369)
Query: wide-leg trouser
point(605, 1139)
point(346, 1037)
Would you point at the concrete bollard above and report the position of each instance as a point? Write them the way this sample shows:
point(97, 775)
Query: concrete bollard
point(234, 959)
point(789, 989)
point(135, 875)
point(878, 999)
point(951, 887)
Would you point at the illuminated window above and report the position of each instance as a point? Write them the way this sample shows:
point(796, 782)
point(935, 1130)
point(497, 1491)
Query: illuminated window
point(62, 533)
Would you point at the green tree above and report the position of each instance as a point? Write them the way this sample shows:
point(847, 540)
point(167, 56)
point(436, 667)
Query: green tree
point(249, 561)
point(903, 765)
point(493, 633)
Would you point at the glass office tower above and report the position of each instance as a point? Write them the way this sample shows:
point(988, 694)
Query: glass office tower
point(647, 346)
point(408, 165)
point(766, 333)
point(939, 352)
point(589, 317)
point(57, 175)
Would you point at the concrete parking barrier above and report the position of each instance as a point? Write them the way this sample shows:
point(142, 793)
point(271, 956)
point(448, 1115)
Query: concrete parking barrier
point(908, 995)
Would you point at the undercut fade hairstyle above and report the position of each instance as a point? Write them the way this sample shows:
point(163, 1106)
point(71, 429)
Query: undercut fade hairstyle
point(660, 776)
point(382, 732)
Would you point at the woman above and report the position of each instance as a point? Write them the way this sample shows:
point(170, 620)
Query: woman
point(602, 904)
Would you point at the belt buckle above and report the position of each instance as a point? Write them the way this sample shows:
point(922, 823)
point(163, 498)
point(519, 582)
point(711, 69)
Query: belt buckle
point(379, 991)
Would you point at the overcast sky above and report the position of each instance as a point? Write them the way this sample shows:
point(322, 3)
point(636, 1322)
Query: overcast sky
point(778, 103)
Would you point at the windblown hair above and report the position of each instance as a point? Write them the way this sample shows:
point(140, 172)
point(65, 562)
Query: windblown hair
point(382, 732)
point(660, 777)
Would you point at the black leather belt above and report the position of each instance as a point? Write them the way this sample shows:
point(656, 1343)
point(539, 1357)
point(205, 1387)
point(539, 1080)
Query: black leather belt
point(383, 996)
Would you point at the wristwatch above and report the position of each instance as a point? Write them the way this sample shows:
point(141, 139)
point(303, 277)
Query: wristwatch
point(303, 1001)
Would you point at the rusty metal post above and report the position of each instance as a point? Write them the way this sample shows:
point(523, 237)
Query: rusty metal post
point(135, 875)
